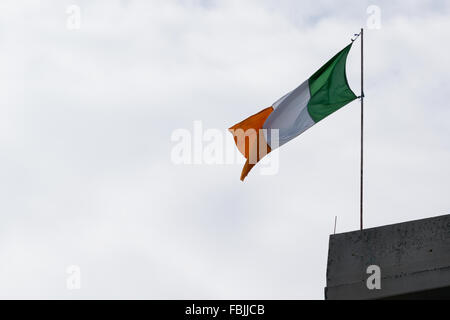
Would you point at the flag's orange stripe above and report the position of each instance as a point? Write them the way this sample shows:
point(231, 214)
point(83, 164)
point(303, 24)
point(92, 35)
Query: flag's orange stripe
point(255, 122)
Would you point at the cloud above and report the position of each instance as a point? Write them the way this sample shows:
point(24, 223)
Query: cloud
point(85, 130)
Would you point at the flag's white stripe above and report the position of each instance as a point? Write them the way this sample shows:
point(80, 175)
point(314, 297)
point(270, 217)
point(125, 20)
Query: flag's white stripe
point(277, 103)
point(290, 116)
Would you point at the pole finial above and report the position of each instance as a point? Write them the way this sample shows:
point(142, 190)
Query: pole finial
point(356, 35)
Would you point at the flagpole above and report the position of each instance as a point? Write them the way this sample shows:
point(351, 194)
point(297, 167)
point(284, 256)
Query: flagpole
point(362, 130)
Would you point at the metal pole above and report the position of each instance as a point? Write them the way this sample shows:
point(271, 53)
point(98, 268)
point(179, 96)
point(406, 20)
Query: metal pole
point(335, 222)
point(362, 128)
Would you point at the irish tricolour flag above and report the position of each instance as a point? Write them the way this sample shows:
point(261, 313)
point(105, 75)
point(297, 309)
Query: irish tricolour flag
point(325, 92)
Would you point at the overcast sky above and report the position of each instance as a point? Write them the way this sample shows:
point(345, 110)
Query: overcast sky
point(86, 118)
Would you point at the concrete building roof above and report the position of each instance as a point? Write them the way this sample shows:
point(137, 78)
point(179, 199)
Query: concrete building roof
point(413, 259)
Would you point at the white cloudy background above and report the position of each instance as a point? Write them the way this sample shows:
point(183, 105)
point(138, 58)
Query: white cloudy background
point(86, 118)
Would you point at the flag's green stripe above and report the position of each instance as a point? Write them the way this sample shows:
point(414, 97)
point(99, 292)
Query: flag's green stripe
point(329, 87)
